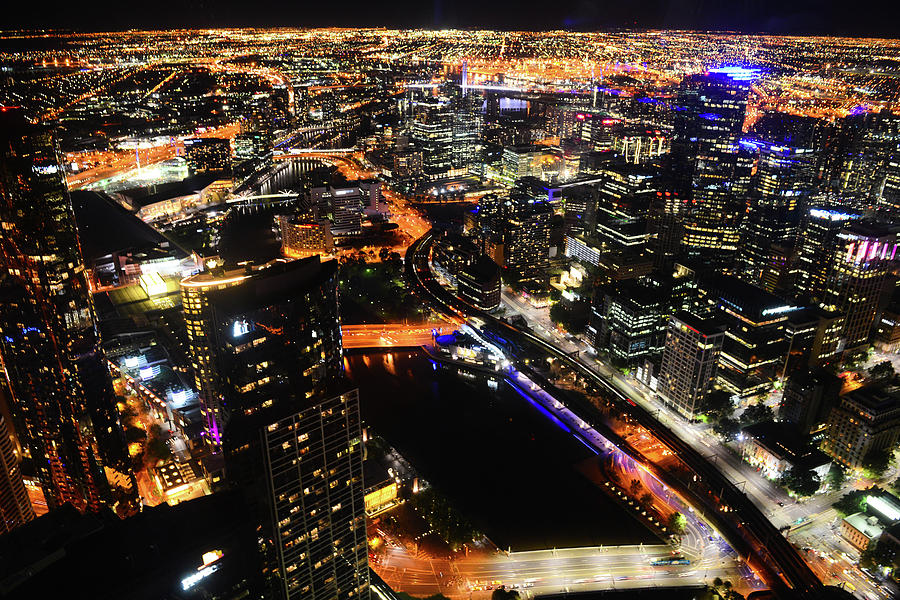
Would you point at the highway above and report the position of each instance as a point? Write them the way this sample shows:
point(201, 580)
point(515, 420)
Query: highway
point(392, 335)
point(543, 571)
point(738, 518)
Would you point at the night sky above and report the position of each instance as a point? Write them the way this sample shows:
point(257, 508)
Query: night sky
point(880, 18)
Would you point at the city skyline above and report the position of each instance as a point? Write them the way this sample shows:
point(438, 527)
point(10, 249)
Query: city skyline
point(809, 17)
point(451, 314)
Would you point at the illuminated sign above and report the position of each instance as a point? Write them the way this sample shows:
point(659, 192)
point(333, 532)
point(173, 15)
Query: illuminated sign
point(831, 215)
point(45, 170)
point(779, 310)
point(193, 579)
point(240, 328)
point(211, 557)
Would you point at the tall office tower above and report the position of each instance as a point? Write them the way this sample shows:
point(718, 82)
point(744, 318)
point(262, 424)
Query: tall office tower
point(889, 199)
point(15, 507)
point(755, 344)
point(689, 362)
point(580, 210)
point(858, 268)
point(466, 128)
point(784, 178)
point(858, 153)
point(526, 235)
point(705, 149)
point(628, 320)
point(343, 205)
point(269, 339)
point(207, 154)
point(865, 419)
point(63, 404)
point(432, 132)
point(809, 396)
point(818, 237)
point(626, 191)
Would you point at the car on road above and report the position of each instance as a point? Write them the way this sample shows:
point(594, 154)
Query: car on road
point(780, 503)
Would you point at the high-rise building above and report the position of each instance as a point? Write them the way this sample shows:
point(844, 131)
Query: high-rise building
point(690, 360)
point(526, 235)
point(865, 420)
point(466, 128)
point(705, 149)
point(629, 320)
point(201, 548)
point(62, 401)
point(207, 154)
point(305, 234)
point(857, 270)
point(755, 344)
point(808, 398)
point(15, 506)
point(479, 283)
point(818, 237)
point(432, 131)
point(784, 178)
point(266, 344)
point(344, 206)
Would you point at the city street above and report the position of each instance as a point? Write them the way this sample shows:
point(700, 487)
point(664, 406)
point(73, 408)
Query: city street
point(821, 532)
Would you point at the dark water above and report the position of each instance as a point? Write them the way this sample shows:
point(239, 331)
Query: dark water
point(500, 461)
point(288, 175)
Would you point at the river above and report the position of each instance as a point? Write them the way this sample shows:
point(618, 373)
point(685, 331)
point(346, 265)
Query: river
point(504, 465)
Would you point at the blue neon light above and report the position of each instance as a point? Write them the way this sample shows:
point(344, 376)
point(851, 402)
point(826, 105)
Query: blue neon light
point(540, 407)
point(736, 72)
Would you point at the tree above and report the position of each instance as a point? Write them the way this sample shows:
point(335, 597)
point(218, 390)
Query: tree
point(883, 370)
point(501, 593)
point(877, 554)
point(158, 449)
point(635, 487)
point(677, 523)
point(801, 483)
point(851, 502)
point(756, 413)
point(836, 477)
point(717, 582)
point(135, 434)
point(646, 499)
point(728, 428)
point(719, 405)
point(876, 462)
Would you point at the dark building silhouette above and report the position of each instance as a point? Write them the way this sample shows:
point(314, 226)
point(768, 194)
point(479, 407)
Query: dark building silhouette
point(62, 400)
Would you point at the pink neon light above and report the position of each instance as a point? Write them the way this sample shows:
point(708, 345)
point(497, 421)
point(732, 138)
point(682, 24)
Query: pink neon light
point(862, 251)
point(850, 251)
point(873, 251)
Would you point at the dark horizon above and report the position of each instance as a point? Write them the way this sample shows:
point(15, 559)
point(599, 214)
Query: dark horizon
point(806, 17)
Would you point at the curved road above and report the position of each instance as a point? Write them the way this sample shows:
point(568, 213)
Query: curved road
point(745, 526)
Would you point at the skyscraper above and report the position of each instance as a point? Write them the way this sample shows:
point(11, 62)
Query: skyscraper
point(705, 148)
point(785, 175)
point(432, 131)
point(62, 401)
point(689, 362)
point(266, 343)
point(819, 230)
point(15, 507)
point(857, 270)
